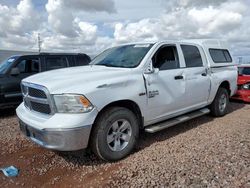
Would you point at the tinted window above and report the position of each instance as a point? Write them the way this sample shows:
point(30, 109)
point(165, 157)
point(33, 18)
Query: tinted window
point(166, 58)
point(35, 65)
point(22, 66)
point(71, 60)
point(220, 55)
point(55, 62)
point(82, 60)
point(28, 66)
point(244, 70)
point(192, 56)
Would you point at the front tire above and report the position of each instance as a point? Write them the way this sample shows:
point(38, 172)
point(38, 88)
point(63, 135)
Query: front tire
point(115, 134)
point(219, 107)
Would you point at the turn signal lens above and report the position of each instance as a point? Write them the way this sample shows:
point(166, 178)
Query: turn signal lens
point(85, 102)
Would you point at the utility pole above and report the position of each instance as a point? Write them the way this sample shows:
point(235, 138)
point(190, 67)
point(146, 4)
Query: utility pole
point(240, 60)
point(39, 42)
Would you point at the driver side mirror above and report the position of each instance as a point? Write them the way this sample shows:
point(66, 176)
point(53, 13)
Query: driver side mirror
point(15, 71)
point(150, 68)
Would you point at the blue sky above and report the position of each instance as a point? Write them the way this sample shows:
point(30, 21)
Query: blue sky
point(91, 26)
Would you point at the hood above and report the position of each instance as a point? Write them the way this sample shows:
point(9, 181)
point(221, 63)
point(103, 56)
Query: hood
point(78, 79)
point(243, 79)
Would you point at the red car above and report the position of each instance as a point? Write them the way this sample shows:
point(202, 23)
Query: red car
point(243, 92)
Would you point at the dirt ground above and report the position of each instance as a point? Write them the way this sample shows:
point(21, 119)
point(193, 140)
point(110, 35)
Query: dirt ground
point(204, 152)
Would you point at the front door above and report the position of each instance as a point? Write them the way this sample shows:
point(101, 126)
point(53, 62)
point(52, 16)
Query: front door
point(27, 66)
point(166, 87)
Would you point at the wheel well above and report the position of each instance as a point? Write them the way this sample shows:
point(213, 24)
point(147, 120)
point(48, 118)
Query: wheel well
point(131, 105)
point(226, 85)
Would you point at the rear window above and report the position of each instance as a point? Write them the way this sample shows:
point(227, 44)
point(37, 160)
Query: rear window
point(220, 55)
point(244, 70)
point(55, 62)
point(71, 60)
point(192, 56)
point(82, 60)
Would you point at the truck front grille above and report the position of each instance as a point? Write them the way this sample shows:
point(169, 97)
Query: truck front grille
point(37, 93)
point(42, 108)
point(36, 98)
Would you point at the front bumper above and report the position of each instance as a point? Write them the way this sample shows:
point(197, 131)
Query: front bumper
point(7, 104)
point(58, 139)
point(63, 132)
point(243, 95)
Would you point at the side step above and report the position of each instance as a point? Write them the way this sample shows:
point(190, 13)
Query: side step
point(173, 121)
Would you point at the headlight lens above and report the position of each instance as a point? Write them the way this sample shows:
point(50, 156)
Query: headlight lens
point(68, 103)
point(246, 86)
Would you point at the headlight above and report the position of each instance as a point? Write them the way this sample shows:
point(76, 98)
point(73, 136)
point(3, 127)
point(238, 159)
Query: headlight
point(69, 103)
point(246, 86)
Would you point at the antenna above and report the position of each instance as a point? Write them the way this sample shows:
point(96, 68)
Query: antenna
point(39, 42)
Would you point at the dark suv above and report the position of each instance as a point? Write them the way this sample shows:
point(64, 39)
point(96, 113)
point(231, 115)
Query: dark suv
point(16, 68)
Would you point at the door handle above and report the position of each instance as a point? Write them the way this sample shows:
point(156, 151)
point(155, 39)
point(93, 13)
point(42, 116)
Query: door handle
point(180, 77)
point(204, 74)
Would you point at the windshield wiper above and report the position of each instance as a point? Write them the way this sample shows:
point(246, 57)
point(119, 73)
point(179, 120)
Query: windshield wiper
point(103, 64)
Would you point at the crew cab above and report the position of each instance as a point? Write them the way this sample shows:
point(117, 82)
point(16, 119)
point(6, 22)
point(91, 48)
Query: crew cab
point(18, 67)
point(148, 86)
point(243, 92)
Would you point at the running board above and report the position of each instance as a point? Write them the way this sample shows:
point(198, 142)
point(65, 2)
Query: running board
point(173, 121)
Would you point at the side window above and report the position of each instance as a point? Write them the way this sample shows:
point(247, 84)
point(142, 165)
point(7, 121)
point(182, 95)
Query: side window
point(220, 55)
point(166, 58)
point(71, 61)
point(22, 66)
point(55, 62)
point(82, 60)
point(244, 70)
point(34, 65)
point(192, 56)
point(28, 66)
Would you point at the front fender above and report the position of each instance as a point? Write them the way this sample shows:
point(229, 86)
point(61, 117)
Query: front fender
point(129, 89)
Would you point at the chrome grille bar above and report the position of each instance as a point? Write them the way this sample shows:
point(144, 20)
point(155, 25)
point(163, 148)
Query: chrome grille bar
point(42, 103)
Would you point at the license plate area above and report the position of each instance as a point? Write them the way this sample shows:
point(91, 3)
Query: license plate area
point(30, 132)
point(24, 128)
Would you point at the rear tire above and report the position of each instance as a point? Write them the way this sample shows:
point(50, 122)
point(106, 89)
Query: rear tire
point(219, 107)
point(115, 134)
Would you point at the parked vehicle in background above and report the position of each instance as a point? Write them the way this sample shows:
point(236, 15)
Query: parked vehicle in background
point(243, 92)
point(16, 68)
point(149, 86)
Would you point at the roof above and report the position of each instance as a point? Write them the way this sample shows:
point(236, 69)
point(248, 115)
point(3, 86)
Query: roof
point(209, 43)
point(42, 54)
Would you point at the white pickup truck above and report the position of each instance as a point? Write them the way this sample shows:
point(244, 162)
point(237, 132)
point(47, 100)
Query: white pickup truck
point(149, 86)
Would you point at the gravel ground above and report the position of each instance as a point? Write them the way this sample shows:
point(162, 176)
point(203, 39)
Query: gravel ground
point(203, 152)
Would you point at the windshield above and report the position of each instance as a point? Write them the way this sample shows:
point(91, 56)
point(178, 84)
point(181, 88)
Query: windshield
point(244, 70)
point(128, 56)
point(6, 64)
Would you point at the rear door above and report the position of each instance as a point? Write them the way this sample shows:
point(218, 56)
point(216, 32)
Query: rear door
point(196, 76)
